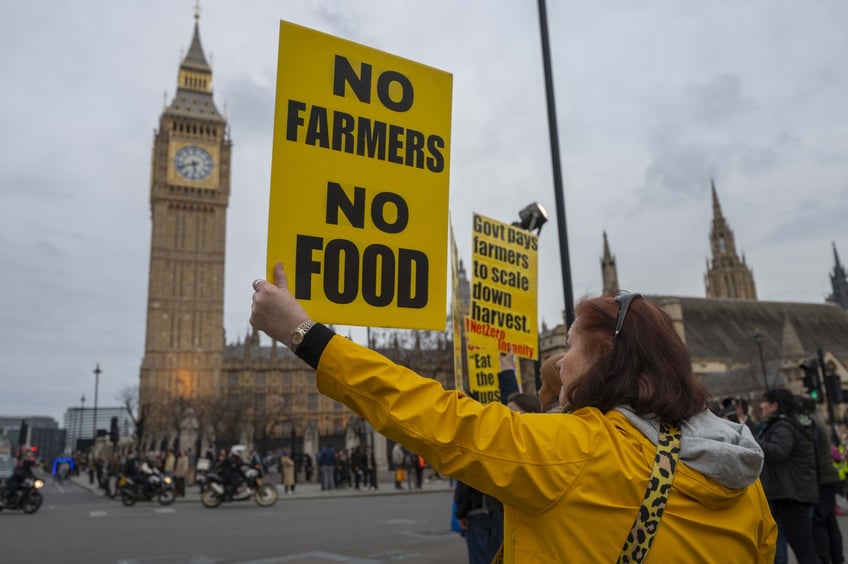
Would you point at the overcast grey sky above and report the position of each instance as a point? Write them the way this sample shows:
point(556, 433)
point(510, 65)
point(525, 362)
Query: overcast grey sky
point(653, 99)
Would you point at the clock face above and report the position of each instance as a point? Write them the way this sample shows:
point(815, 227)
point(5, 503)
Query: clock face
point(193, 163)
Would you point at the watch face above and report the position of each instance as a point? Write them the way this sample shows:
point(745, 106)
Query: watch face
point(193, 163)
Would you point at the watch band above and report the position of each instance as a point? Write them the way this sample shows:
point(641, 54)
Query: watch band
point(299, 333)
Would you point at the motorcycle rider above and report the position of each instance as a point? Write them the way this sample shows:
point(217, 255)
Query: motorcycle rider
point(138, 471)
point(132, 465)
point(230, 470)
point(23, 470)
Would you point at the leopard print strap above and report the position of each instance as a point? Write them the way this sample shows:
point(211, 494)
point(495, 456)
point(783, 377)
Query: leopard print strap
point(647, 522)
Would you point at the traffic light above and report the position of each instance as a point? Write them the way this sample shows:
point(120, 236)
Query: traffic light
point(812, 383)
point(833, 385)
point(114, 435)
point(23, 434)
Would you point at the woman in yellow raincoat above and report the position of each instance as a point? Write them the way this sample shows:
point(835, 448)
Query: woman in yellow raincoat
point(572, 483)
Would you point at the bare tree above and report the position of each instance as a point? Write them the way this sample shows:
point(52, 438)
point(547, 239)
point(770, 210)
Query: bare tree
point(430, 353)
point(229, 417)
point(128, 397)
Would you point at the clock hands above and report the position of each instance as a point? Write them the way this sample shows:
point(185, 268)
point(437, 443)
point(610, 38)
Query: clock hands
point(193, 163)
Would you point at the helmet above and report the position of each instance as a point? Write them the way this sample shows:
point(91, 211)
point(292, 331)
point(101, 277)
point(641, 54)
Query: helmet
point(238, 450)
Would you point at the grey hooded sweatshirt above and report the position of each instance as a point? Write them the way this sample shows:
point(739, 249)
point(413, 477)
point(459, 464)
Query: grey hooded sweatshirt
point(722, 450)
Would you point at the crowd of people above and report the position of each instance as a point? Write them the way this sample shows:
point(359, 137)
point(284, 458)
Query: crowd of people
point(347, 468)
point(354, 468)
point(803, 472)
point(107, 471)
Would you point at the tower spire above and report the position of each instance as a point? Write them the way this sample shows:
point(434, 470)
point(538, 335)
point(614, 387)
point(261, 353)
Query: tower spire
point(716, 205)
point(609, 272)
point(727, 276)
point(195, 59)
point(194, 82)
point(839, 282)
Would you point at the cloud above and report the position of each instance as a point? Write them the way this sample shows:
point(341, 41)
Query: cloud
point(250, 107)
point(718, 101)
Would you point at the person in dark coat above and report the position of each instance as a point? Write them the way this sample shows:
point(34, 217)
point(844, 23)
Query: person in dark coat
point(826, 531)
point(789, 473)
point(307, 467)
point(370, 469)
point(327, 466)
point(481, 520)
point(357, 466)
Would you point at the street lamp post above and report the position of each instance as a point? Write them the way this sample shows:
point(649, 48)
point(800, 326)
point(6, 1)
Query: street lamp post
point(559, 197)
point(97, 372)
point(79, 422)
point(758, 338)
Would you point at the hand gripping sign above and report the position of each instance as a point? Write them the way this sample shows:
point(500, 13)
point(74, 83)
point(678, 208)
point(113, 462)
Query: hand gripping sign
point(359, 182)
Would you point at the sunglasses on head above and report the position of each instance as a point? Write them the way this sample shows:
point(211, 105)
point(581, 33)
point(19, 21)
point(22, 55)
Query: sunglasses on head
point(624, 301)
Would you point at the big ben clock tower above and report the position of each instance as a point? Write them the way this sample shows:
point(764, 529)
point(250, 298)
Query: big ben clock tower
point(189, 194)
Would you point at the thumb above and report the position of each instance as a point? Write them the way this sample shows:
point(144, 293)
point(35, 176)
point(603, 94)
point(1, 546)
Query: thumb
point(280, 279)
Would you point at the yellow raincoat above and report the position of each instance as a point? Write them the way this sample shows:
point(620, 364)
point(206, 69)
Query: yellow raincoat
point(571, 484)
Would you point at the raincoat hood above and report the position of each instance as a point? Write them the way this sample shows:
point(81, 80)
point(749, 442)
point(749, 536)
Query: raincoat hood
point(720, 449)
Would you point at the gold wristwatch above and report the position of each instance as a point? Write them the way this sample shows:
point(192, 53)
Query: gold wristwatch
point(299, 333)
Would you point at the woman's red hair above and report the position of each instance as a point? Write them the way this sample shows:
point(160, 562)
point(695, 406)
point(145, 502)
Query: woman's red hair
point(646, 366)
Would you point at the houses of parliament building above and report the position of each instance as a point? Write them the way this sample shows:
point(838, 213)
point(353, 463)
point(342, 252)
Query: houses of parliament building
point(741, 346)
point(263, 393)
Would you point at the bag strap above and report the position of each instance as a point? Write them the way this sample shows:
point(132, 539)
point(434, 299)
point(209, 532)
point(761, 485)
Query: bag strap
point(647, 522)
point(641, 535)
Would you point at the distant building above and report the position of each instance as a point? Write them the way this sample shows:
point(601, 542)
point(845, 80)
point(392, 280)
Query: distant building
point(42, 432)
point(740, 346)
point(724, 339)
point(79, 423)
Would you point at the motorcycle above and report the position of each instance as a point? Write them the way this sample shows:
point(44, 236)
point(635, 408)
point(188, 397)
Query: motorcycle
point(215, 489)
point(27, 498)
point(145, 487)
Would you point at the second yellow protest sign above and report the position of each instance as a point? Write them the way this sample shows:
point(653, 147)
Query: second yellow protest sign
point(359, 182)
point(504, 262)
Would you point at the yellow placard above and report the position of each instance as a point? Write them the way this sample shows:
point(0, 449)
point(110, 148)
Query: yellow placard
point(504, 261)
point(483, 368)
point(359, 182)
